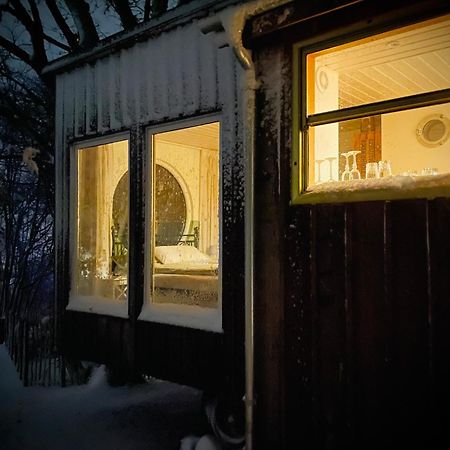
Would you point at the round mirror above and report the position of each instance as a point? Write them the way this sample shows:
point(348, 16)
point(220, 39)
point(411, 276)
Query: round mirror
point(120, 209)
point(433, 130)
point(170, 208)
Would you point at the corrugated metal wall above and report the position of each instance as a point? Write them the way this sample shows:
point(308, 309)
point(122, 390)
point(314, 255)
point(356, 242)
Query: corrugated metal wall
point(178, 73)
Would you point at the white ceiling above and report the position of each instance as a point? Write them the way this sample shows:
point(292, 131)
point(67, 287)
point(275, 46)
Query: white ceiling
point(413, 61)
point(202, 136)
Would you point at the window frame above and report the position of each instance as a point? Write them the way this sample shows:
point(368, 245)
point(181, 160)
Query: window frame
point(302, 122)
point(188, 316)
point(76, 302)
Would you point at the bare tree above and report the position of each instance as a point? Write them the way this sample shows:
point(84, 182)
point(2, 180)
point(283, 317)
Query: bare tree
point(68, 25)
point(26, 232)
point(32, 33)
point(26, 199)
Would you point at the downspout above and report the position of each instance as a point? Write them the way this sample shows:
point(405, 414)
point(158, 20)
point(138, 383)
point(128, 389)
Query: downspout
point(228, 25)
point(233, 26)
point(249, 214)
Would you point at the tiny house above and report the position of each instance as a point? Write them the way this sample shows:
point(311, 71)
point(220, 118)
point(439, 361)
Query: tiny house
point(253, 198)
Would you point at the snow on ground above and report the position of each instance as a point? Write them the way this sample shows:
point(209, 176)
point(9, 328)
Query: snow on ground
point(152, 416)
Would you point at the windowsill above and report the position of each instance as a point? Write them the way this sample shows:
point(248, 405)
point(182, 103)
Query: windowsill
point(98, 305)
point(390, 188)
point(208, 319)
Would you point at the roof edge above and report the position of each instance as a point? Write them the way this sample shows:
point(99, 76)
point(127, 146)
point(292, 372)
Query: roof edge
point(154, 27)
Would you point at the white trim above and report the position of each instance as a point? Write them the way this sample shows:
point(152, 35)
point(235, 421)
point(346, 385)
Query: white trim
point(98, 305)
point(209, 319)
point(101, 140)
point(76, 302)
point(190, 316)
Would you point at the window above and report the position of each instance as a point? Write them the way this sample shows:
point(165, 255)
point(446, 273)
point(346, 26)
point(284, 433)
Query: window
point(100, 252)
point(183, 227)
point(374, 113)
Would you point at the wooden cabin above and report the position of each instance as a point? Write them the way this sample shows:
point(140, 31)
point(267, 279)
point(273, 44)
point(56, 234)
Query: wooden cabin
point(351, 266)
point(253, 198)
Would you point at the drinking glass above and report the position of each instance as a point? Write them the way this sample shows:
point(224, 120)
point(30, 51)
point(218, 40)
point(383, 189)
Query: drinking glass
point(330, 160)
point(409, 173)
point(346, 173)
point(319, 162)
point(355, 173)
point(384, 169)
point(429, 171)
point(372, 170)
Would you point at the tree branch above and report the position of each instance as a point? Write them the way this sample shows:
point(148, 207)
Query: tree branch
point(147, 9)
point(24, 86)
point(36, 17)
point(122, 8)
point(71, 38)
point(57, 43)
point(159, 7)
point(21, 14)
point(34, 28)
point(16, 51)
point(84, 22)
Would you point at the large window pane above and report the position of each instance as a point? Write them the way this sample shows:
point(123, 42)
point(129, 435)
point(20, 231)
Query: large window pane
point(413, 142)
point(410, 60)
point(102, 238)
point(186, 216)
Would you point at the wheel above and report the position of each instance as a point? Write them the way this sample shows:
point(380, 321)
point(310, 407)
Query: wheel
point(226, 419)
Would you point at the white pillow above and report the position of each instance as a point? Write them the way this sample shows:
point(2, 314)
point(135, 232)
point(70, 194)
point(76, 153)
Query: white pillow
point(170, 254)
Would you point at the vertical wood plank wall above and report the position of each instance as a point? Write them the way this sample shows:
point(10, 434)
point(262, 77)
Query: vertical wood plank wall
point(178, 74)
point(352, 305)
point(367, 323)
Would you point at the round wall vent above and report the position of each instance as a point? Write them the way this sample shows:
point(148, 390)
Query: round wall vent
point(322, 79)
point(433, 130)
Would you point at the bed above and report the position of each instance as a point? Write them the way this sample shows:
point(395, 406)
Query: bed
point(182, 274)
point(185, 275)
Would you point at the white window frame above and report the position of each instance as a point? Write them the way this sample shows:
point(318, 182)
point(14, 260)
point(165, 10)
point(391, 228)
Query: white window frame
point(190, 316)
point(90, 304)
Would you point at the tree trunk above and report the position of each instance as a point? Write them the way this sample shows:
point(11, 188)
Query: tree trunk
point(84, 22)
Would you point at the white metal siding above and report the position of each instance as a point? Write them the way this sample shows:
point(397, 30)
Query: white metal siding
point(173, 75)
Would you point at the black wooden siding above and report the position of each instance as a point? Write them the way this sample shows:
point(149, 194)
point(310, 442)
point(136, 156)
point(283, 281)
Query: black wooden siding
point(177, 354)
point(367, 330)
point(352, 301)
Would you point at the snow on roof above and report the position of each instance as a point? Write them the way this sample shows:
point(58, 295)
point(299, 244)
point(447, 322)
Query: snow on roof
point(171, 19)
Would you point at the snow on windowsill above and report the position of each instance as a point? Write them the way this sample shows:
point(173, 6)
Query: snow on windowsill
point(98, 305)
point(190, 316)
point(394, 187)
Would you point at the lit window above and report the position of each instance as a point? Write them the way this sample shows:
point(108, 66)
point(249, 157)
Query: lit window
point(183, 263)
point(101, 254)
point(376, 111)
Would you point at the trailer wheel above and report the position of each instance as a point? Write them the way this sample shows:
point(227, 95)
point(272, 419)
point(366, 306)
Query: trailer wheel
point(226, 420)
